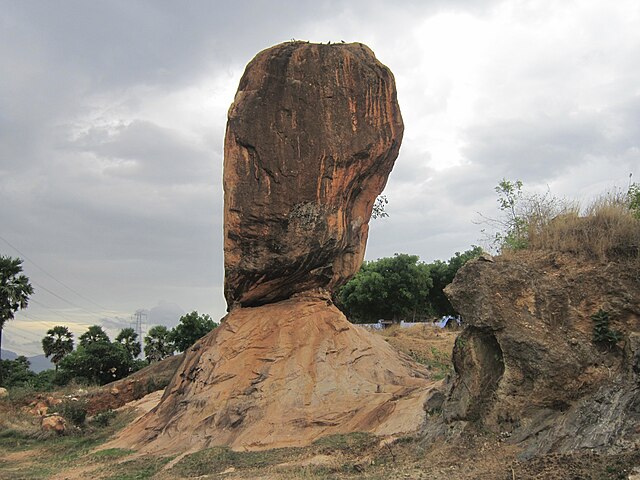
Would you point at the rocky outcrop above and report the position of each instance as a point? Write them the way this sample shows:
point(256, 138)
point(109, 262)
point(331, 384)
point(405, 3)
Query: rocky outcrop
point(312, 135)
point(527, 365)
point(280, 375)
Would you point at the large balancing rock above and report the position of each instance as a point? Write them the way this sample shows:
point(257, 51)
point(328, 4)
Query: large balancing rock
point(312, 135)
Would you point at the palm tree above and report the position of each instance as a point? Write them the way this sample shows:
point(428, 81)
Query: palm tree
point(14, 292)
point(57, 344)
point(129, 339)
point(158, 344)
point(94, 334)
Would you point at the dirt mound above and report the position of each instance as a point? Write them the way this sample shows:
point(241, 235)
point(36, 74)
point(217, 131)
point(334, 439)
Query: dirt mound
point(528, 364)
point(280, 375)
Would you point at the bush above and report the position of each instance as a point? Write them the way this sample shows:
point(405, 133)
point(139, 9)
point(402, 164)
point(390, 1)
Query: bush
point(74, 410)
point(16, 373)
point(97, 362)
point(103, 419)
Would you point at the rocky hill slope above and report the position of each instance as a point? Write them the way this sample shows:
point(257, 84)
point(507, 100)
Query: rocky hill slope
point(529, 366)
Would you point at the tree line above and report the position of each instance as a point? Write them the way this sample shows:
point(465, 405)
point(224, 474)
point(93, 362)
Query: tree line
point(401, 288)
point(99, 360)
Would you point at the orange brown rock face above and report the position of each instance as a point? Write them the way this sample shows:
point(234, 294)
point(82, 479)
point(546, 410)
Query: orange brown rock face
point(311, 137)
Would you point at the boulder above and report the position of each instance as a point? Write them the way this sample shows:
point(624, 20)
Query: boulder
point(527, 362)
point(41, 407)
point(312, 135)
point(53, 423)
point(3, 392)
point(280, 375)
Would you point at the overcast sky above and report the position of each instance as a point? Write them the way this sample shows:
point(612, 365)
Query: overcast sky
point(112, 117)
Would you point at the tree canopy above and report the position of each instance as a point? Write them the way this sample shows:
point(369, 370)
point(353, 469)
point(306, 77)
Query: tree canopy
point(98, 362)
point(15, 290)
point(57, 344)
point(97, 359)
point(158, 344)
point(192, 327)
point(401, 287)
point(128, 338)
point(388, 288)
point(95, 334)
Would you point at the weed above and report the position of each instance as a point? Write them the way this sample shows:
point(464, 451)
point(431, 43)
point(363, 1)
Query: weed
point(111, 453)
point(602, 334)
point(137, 469)
point(351, 443)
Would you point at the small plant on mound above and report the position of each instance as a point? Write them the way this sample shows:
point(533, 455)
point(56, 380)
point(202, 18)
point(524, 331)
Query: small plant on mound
point(602, 334)
point(73, 410)
point(103, 419)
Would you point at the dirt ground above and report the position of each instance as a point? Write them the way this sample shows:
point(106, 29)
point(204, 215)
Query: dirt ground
point(25, 453)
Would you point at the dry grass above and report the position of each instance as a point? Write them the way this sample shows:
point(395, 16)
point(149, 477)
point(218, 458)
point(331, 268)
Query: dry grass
point(606, 230)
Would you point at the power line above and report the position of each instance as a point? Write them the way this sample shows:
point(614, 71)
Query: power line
point(47, 308)
point(51, 276)
point(65, 300)
point(35, 319)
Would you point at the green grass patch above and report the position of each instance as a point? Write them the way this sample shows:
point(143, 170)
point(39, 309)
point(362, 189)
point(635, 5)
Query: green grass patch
point(138, 469)
point(111, 453)
point(217, 459)
point(349, 443)
point(53, 453)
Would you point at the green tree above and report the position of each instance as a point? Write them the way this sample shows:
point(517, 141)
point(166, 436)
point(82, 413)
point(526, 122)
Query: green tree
point(57, 344)
point(158, 344)
point(129, 339)
point(16, 372)
point(391, 288)
point(192, 326)
point(442, 274)
point(98, 362)
point(633, 199)
point(95, 334)
point(97, 359)
point(15, 290)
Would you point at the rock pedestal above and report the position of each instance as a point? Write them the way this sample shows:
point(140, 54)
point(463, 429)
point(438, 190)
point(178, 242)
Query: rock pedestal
point(283, 375)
